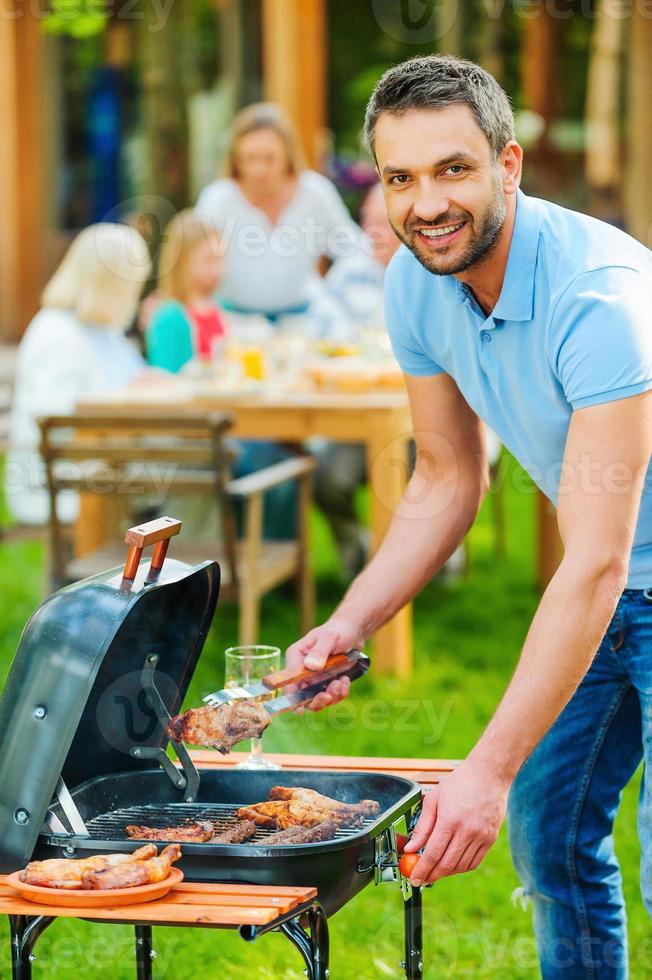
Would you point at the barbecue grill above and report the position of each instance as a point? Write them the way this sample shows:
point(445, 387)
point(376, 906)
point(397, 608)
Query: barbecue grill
point(100, 668)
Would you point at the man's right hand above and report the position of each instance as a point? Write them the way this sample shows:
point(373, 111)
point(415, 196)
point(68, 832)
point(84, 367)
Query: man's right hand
point(337, 635)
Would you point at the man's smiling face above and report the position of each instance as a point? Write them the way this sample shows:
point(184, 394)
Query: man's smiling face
point(443, 185)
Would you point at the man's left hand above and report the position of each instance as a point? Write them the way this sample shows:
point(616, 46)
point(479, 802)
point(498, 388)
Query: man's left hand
point(460, 820)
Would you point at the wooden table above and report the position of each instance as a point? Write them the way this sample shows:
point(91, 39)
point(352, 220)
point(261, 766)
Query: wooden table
point(380, 420)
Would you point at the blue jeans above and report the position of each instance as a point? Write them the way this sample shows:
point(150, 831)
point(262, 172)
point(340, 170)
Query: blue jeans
point(564, 801)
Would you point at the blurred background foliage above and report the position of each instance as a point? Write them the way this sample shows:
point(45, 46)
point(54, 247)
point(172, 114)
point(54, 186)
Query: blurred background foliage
point(190, 70)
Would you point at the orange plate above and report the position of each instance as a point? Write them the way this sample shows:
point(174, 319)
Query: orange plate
point(95, 898)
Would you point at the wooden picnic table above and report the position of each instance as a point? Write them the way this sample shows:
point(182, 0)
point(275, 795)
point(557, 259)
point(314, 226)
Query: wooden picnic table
point(380, 420)
point(251, 909)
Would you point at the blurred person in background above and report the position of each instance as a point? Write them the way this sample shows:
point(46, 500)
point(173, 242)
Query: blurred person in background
point(186, 323)
point(276, 219)
point(74, 348)
point(185, 326)
point(357, 285)
point(356, 282)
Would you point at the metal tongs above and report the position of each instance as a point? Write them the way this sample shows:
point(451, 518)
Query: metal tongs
point(304, 683)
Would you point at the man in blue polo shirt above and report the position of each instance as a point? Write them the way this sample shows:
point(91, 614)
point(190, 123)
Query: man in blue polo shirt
point(538, 321)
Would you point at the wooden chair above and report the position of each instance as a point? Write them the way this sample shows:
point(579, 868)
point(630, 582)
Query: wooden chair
point(110, 459)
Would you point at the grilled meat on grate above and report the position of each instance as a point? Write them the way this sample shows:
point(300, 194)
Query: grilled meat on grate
point(221, 727)
point(369, 808)
point(130, 874)
point(195, 832)
point(241, 831)
point(303, 835)
point(288, 807)
point(66, 873)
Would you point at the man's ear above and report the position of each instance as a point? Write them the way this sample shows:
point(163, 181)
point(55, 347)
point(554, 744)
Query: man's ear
point(511, 160)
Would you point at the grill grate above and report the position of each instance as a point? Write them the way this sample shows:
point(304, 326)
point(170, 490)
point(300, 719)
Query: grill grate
point(111, 825)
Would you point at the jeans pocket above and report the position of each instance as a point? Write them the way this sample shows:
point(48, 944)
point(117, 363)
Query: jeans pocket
point(615, 634)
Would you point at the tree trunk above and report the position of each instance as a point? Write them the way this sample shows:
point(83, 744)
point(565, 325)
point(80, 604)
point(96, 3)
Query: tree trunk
point(540, 59)
point(602, 160)
point(164, 103)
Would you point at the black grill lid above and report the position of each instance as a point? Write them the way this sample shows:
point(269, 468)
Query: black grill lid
point(73, 705)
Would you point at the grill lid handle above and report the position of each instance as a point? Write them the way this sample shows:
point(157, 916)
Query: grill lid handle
point(156, 532)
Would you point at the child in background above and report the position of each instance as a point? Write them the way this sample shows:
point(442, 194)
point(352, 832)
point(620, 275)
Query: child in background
point(184, 325)
point(187, 322)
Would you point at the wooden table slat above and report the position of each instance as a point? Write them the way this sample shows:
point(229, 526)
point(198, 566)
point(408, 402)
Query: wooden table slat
point(154, 913)
point(428, 768)
point(223, 888)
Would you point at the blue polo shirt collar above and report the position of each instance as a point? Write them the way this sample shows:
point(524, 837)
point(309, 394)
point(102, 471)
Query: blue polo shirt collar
point(516, 300)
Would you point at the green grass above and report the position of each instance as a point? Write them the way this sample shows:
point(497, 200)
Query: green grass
point(467, 639)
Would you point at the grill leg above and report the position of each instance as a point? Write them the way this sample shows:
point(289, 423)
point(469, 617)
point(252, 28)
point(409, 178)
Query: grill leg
point(144, 952)
point(319, 943)
point(413, 936)
point(25, 930)
point(314, 947)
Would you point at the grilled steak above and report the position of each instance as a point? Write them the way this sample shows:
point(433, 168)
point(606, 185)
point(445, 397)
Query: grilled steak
point(130, 874)
point(193, 831)
point(66, 873)
point(303, 835)
point(291, 806)
point(221, 727)
point(236, 834)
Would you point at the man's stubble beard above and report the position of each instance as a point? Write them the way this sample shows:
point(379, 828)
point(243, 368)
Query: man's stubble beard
point(478, 249)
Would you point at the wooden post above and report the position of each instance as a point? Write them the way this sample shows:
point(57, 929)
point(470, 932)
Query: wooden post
point(294, 67)
point(638, 186)
point(539, 64)
point(22, 196)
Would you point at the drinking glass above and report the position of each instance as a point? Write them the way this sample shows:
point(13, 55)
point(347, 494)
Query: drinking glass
point(244, 665)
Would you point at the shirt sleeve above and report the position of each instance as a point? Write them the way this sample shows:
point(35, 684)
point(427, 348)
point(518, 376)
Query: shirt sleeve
point(409, 353)
point(600, 336)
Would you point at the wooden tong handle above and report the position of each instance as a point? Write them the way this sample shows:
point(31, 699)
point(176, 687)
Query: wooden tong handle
point(352, 664)
point(156, 532)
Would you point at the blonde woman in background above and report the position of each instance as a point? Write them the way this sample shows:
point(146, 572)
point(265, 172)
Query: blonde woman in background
point(276, 218)
point(74, 348)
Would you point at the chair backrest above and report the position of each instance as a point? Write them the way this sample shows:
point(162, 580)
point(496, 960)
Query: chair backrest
point(113, 455)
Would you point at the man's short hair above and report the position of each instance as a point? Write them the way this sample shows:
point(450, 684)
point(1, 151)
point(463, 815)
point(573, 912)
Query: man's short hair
point(437, 81)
